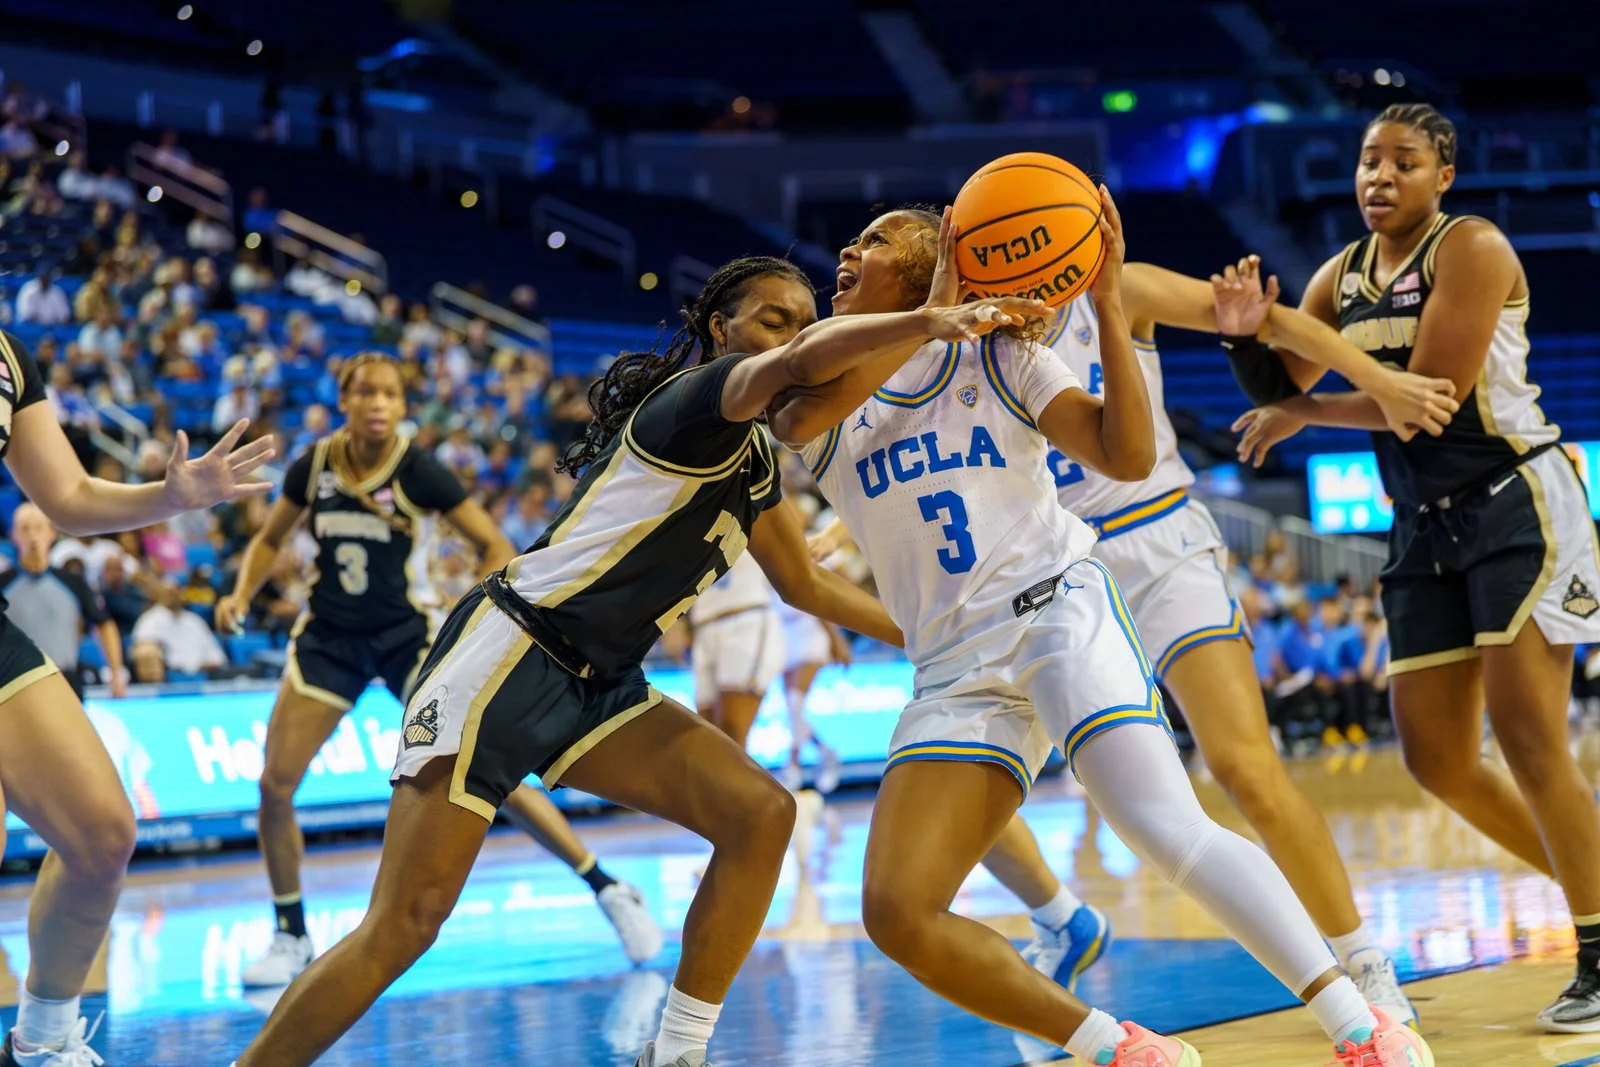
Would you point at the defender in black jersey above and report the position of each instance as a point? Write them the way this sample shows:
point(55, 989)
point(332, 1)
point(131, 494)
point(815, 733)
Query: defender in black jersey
point(370, 498)
point(539, 668)
point(54, 771)
point(1492, 528)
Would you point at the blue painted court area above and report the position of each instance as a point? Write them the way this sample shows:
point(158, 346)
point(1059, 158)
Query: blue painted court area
point(527, 970)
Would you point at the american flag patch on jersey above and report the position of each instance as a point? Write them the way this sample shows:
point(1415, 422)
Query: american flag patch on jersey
point(1409, 282)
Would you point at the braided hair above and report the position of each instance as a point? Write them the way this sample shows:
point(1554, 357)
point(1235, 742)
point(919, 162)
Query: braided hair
point(633, 375)
point(1426, 120)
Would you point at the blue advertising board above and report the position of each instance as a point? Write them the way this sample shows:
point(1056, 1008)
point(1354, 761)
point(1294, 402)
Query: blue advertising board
point(190, 762)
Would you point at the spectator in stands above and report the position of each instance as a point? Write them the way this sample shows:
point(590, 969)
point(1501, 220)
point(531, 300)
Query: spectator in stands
point(162, 547)
point(42, 301)
point(453, 360)
point(215, 295)
point(46, 352)
point(75, 182)
point(477, 342)
point(1303, 648)
point(259, 217)
point(315, 423)
point(499, 470)
point(102, 336)
point(170, 154)
point(117, 189)
point(528, 519)
point(181, 291)
point(420, 329)
point(185, 640)
point(525, 301)
point(93, 295)
point(1339, 676)
point(73, 411)
point(204, 346)
point(17, 140)
point(55, 607)
point(94, 552)
point(21, 103)
point(459, 452)
point(239, 402)
point(567, 409)
point(123, 598)
point(388, 327)
point(206, 234)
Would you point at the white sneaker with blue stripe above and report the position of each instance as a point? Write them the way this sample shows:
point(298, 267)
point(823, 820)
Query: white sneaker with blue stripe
point(1062, 955)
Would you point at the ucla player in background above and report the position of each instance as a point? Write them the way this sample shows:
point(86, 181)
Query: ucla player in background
point(738, 648)
point(54, 770)
point(366, 490)
point(1168, 558)
point(1021, 642)
point(1492, 529)
point(539, 667)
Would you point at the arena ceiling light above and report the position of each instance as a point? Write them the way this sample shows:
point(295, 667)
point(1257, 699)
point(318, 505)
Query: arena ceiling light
point(253, 48)
point(185, 13)
point(556, 239)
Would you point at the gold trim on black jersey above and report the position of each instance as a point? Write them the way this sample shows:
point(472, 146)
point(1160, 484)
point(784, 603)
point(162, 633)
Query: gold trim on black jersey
point(1433, 251)
point(673, 470)
point(1369, 262)
point(764, 449)
point(13, 363)
point(636, 533)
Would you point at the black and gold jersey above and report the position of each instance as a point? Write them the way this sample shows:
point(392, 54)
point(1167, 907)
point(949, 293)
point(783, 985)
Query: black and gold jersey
point(366, 531)
point(1499, 423)
point(657, 518)
point(21, 385)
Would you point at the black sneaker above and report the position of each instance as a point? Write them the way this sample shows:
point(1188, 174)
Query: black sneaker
point(1576, 1011)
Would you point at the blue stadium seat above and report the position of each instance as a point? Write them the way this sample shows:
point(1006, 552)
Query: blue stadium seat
point(90, 654)
point(10, 497)
point(202, 555)
point(242, 648)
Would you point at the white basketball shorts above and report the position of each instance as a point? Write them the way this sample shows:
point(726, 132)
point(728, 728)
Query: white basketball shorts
point(738, 653)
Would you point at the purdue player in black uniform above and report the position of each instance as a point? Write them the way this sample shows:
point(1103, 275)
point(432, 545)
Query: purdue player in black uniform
point(366, 491)
point(54, 772)
point(1492, 529)
point(538, 669)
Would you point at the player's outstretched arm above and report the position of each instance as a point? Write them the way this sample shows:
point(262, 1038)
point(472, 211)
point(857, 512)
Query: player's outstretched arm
point(494, 551)
point(779, 545)
point(1115, 437)
point(256, 564)
point(49, 471)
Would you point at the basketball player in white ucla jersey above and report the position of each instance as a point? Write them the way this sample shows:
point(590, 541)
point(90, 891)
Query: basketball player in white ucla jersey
point(1494, 570)
point(1022, 642)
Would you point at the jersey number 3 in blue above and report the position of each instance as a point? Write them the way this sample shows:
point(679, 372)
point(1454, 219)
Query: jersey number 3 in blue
point(936, 507)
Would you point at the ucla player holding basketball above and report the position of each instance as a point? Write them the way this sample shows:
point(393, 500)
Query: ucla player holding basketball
point(366, 489)
point(54, 770)
point(1492, 530)
point(538, 668)
point(1022, 642)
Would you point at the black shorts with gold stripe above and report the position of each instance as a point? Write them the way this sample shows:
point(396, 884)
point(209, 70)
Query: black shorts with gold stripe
point(21, 661)
point(333, 666)
point(1471, 571)
point(494, 698)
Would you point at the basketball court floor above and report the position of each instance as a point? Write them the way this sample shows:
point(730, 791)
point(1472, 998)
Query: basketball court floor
point(526, 971)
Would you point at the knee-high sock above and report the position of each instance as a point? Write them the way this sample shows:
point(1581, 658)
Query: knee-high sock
point(798, 726)
point(1138, 783)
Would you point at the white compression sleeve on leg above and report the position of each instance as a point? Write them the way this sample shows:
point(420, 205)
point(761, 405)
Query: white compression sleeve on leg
point(798, 726)
point(1136, 780)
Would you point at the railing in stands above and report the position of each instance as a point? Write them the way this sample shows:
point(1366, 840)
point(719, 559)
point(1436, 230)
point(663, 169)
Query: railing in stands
point(298, 237)
point(186, 182)
point(590, 232)
point(1322, 558)
point(455, 308)
point(686, 276)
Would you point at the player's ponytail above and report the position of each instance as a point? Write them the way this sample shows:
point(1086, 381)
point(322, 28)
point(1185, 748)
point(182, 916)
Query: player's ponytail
point(634, 375)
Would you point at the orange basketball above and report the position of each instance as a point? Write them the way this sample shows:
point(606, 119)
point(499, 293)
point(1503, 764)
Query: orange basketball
point(1028, 224)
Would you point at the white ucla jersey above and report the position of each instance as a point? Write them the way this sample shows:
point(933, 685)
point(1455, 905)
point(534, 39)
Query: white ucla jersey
point(941, 479)
point(743, 588)
point(1075, 337)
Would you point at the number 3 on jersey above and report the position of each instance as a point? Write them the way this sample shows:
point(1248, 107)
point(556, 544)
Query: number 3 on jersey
point(352, 561)
point(937, 506)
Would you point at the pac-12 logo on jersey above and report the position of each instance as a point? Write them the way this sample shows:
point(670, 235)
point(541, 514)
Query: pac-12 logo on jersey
point(1084, 335)
point(422, 725)
point(968, 395)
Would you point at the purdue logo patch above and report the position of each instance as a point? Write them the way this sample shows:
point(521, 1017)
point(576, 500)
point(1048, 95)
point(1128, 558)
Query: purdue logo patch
point(327, 485)
point(1350, 284)
point(1579, 601)
point(422, 726)
point(968, 395)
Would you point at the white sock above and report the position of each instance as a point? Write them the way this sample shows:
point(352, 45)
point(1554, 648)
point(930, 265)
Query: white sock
point(1342, 1011)
point(41, 1023)
point(1057, 913)
point(798, 726)
point(1099, 1035)
point(1359, 942)
point(686, 1024)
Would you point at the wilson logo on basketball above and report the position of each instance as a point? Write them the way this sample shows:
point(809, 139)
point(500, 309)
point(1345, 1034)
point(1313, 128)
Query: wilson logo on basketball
point(422, 728)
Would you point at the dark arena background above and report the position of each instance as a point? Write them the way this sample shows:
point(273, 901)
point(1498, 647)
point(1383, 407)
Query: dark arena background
point(208, 209)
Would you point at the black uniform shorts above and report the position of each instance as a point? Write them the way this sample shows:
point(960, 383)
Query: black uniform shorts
point(333, 666)
point(490, 695)
point(21, 661)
